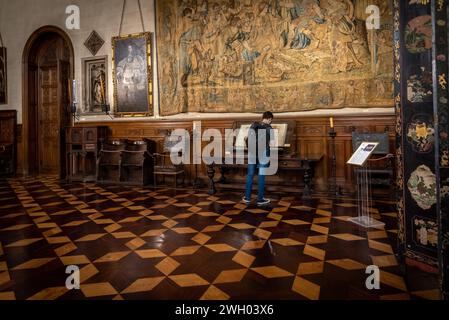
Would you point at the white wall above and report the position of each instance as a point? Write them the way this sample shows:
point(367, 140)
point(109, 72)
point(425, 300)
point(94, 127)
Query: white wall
point(20, 18)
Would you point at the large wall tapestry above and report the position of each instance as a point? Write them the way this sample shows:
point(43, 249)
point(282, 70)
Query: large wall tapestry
point(282, 55)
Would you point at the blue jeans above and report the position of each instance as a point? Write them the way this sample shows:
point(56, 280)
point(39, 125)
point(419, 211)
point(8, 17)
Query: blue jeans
point(249, 182)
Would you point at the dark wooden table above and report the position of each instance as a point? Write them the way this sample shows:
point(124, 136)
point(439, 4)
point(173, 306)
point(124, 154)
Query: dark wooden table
point(304, 164)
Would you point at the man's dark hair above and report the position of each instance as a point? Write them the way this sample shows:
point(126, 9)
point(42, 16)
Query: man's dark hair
point(267, 115)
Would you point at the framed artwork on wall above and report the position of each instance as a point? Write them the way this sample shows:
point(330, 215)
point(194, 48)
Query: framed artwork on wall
point(95, 85)
point(3, 78)
point(133, 75)
point(94, 42)
point(258, 58)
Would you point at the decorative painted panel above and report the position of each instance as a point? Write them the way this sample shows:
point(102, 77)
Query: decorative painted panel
point(440, 81)
point(414, 94)
point(421, 99)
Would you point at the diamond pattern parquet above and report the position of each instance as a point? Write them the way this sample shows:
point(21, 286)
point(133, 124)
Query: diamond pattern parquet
point(139, 243)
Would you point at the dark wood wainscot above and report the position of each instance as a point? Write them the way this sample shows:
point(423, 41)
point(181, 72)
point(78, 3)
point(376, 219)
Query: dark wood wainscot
point(8, 141)
point(312, 137)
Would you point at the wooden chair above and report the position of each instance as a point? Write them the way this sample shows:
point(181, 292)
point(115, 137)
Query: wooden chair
point(109, 161)
point(137, 162)
point(163, 165)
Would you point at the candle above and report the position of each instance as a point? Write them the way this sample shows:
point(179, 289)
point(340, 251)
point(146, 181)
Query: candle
point(332, 122)
point(70, 92)
point(74, 92)
point(103, 92)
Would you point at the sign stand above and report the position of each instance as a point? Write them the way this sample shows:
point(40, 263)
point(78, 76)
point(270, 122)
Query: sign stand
point(364, 196)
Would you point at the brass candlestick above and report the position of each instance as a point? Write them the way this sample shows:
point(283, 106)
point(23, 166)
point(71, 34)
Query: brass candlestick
point(334, 189)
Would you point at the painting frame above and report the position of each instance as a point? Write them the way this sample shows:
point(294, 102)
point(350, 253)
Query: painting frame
point(89, 107)
point(143, 103)
point(4, 76)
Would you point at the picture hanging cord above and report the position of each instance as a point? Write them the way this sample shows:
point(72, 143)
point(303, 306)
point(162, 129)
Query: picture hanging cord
point(123, 16)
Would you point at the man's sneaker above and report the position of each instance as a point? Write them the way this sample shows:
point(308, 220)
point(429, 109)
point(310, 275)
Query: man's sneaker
point(246, 200)
point(263, 202)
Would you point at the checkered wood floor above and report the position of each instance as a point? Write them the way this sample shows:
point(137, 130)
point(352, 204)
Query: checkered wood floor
point(137, 243)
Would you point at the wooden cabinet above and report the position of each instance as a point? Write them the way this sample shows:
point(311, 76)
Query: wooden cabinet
point(8, 124)
point(82, 147)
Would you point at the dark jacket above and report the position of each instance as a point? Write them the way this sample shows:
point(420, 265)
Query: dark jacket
point(254, 129)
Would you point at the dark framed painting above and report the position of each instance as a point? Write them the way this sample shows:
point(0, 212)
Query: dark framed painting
point(3, 78)
point(95, 85)
point(133, 75)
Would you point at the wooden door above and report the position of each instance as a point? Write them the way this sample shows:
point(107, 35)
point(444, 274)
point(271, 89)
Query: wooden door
point(65, 116)
point(33, 106)
point(49, 121)
point(48, 68)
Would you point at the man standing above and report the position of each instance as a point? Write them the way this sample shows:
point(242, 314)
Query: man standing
point(259, 137)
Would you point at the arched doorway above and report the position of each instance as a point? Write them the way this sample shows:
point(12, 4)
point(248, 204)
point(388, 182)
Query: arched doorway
point(47, 67)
